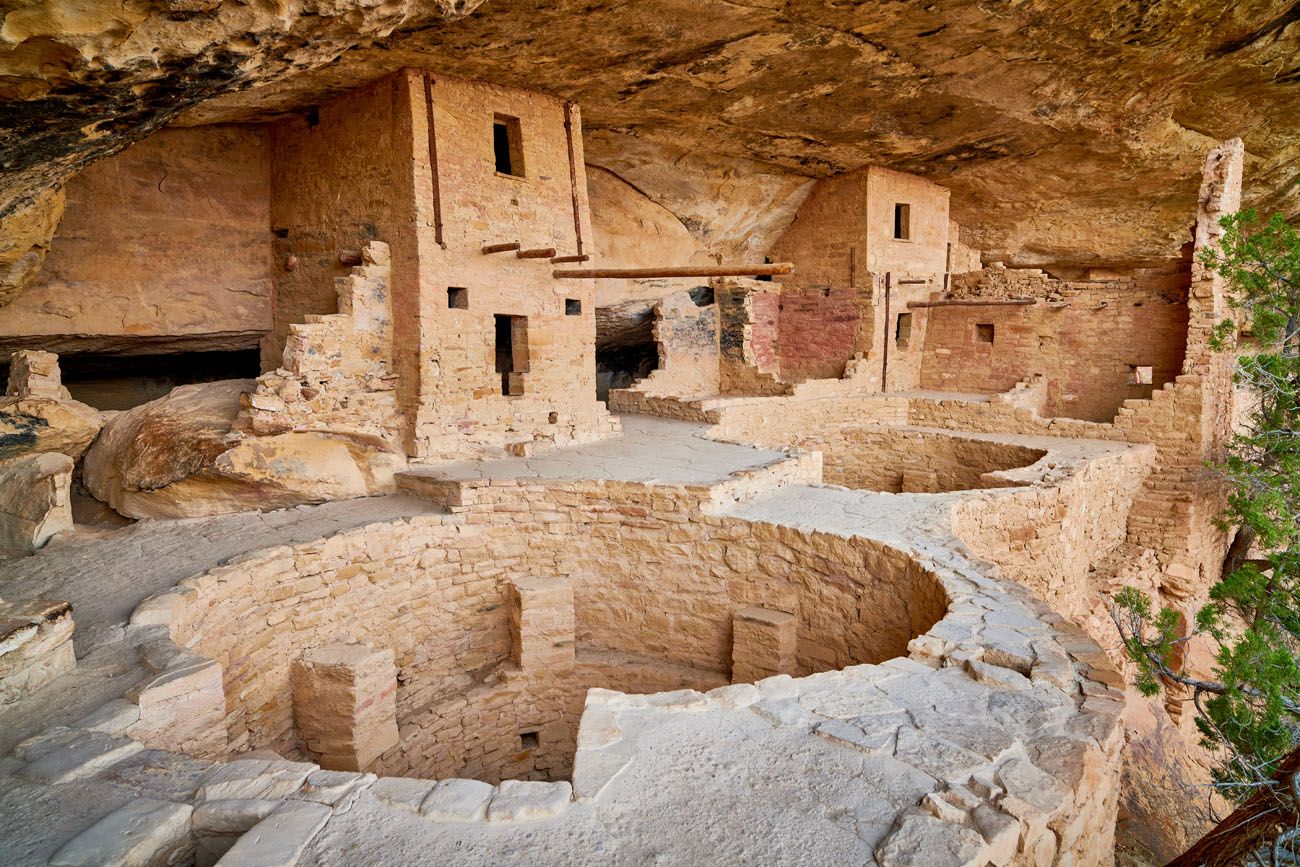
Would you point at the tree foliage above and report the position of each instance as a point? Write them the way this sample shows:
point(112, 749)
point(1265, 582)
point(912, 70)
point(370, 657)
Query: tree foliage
point(1250, 710)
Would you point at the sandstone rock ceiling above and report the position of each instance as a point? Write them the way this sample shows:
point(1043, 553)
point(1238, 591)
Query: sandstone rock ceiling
point(1060, 125)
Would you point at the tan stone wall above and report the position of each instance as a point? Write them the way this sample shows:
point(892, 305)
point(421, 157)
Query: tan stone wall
point(1084, 336)
point(925, 251)
point(340, 177)
point(460, 400)
point(169, 238)
point(337, 373)
point(912, 461)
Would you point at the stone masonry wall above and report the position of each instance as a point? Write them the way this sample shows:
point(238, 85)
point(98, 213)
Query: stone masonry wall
point(337, 368)
point(1088, 337)
point(462, 204)
point(817, 331)
point(340, 177)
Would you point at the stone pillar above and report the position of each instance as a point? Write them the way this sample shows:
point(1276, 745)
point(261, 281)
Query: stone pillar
point(345, 704)
point(762, 644)
point(541, 622)
point(35, 373)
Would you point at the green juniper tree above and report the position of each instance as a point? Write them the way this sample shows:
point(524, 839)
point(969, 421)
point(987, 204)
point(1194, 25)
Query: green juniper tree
point(1249, 713)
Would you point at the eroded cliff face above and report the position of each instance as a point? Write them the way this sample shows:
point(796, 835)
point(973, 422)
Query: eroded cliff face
point(1060, 127)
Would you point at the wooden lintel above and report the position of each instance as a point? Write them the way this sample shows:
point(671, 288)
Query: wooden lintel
point(560, 260)
point(350, 258)
point(539, 253)
point(500, 248)
point(686, 271)
point(992, 302)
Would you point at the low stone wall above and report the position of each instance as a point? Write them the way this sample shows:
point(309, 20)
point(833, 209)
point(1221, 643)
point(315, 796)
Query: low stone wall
point(909, 460)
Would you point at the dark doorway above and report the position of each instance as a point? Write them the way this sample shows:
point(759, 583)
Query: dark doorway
point(511, 342)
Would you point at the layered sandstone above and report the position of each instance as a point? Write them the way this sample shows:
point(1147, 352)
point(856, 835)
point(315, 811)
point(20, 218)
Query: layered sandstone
point(1019, 112)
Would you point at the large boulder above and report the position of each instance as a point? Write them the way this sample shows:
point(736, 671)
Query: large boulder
point(178, 457)
point(38, 416)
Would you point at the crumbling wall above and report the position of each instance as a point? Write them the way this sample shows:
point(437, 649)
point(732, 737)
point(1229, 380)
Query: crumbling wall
point(166, 240)
point(686, 335)
point(337, 374)
point(340, 175)
point(1098, 340)
point(748, 321)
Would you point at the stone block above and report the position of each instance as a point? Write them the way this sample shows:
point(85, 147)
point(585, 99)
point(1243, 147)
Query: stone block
point(280, 838)
point(457, 800)
point(763, 644)
point(345, 708)
point(35, 646)
point(34, 500)
point(521, 801)
point(542, 623)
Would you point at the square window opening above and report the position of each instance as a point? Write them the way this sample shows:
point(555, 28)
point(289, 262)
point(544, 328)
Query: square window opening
point(984, 332)
point(507, 145)
point(1140, 374)
point(572, 307)
point(530, 740)
point(457, 298)
point(903, 329)
point(902, 222)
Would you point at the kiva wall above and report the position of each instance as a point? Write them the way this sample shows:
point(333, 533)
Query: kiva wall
point(656, 584)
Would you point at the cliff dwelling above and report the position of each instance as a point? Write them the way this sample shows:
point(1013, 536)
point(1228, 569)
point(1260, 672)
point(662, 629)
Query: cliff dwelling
point(468, 438)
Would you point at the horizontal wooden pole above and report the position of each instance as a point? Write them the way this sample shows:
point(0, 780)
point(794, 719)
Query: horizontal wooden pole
point(560, 260)
point(540, 253)
point(350, 258)
point(500, 248)
point(687, 271)
point(999, 302)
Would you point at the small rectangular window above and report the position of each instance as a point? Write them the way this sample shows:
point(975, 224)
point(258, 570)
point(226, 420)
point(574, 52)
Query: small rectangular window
point(507, 145)
point(984, 332)
point(530, 740)
point(1140, 374)
point(458, 297)
point(902, 222)
point(903, 329)
point(572, 307)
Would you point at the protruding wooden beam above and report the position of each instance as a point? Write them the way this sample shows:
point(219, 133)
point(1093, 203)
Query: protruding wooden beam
point(962, 302)
point(687, 271)
point(559, 260)
point(539, 253)
point(489, 249)
point(350, 258)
